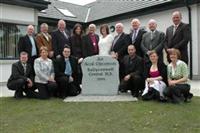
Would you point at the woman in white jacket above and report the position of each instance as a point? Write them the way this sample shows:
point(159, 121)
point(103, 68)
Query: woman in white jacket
point(44, 75)
point(105, 41)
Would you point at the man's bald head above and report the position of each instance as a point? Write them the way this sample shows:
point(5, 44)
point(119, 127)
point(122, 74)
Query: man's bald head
point(135, 23)
point(176, 17)
point(61, 25)
point(30, 30)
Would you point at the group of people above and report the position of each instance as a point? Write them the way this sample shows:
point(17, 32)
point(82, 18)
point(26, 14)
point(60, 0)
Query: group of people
point(50, 63)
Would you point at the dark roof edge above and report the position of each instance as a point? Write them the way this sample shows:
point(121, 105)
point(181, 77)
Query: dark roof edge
point(53, 20)
point(37, 4)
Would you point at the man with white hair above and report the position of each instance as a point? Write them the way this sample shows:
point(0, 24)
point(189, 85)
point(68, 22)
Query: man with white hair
point(120, 43)
point(152, 41)
point(60, 38)
point(28, 44)
point(178, 36)
point(136, 36)
point(90, 42)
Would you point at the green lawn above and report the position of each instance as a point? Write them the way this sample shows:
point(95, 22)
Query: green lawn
point(55, 116)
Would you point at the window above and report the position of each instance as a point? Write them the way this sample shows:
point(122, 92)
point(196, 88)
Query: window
point(9, 37)
point(66, 12)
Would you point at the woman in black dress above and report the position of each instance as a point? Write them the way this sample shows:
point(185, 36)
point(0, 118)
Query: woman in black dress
point(76, 42)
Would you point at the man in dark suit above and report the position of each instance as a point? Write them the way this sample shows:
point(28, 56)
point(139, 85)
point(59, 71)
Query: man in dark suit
point(60, 37)
point(28, 44)
point(132, 75)
point(90, 42)
point(120, 43)
point(136, 36)
point(21, 79)
point(66, 71)
point(152, 40)
point(178, 36)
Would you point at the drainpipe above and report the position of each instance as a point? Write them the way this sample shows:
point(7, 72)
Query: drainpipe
point(190, 48)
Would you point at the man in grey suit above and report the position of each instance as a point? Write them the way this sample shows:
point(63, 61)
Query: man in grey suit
point(152, 41)
point(178, 36)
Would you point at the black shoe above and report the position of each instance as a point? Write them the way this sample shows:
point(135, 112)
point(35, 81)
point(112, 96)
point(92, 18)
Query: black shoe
point(163, 99)
point(135, 94)
point(188, 98)
point(18, 95)
point(123, 91)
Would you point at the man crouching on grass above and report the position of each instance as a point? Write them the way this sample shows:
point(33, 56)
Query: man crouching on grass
point(21, 79)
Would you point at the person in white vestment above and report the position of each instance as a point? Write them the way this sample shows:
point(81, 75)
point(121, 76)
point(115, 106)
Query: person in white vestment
point(105, 41)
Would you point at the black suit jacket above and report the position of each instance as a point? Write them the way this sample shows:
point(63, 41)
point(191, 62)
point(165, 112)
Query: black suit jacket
point(138, 41)
point(121, 45)
point(24, 44)
point(132, 66)
point(18, 72)
point(179, 40)
point(59, 41)
point(88, 46)
point(59, 67)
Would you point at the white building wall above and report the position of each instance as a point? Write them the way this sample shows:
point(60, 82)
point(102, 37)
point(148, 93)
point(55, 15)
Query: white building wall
point(164, 20)
point(17, 15)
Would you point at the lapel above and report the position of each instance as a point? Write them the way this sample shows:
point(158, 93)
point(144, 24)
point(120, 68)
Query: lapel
point(149, 37)
point(28, 40)
point(63, 63)
point(61, 34)
point(44, 38)
point(120, 38)
point(71, 63)
point(137, 37)
point(21, 68)
point(177, 30)
point(155, 34)
point(171, 31)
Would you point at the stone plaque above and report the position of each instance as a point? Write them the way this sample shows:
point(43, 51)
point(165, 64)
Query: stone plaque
point(100, 75)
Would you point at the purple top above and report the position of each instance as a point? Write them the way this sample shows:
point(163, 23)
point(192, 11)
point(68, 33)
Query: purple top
point(154, 74)
point(94, 42)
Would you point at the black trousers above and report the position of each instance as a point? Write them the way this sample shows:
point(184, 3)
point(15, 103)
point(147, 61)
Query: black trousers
point(20, 86)
point(80, 74)
point(45, 91)
point(151, 95)
point(178, 92)
point(134, 84)
point(66, 88)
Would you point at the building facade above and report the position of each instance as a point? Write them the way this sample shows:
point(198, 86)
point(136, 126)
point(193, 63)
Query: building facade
point(17, 14)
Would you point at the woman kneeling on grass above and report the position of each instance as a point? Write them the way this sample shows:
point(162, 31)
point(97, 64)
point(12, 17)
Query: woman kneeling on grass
point(156, 79)
point(44, 75)
point(177, 70)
